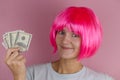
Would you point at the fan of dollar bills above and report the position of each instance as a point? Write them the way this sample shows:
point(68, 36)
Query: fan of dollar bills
point(17, 38)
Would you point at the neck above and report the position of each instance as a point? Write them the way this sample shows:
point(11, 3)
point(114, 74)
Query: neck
point(65, 66)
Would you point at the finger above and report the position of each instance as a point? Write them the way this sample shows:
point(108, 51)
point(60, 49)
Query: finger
point(10, 51)
point(15, 59)
point(21, 58)
point(14, 55)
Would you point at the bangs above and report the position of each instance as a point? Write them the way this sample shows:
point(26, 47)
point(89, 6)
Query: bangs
point(76, 20)
point(75, 27)
point(70, 27)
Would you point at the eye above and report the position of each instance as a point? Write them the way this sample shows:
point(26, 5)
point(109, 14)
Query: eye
point(75, 35)
point(61, 32)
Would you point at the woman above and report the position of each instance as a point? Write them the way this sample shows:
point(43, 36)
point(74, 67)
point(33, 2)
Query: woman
point(76, 34)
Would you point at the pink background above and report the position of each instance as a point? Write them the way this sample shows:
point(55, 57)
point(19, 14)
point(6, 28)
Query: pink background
point(36, 17)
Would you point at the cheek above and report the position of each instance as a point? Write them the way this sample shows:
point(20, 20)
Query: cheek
point(77, 45)
point(58, 40)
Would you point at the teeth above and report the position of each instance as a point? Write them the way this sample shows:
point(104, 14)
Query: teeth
point(65, 47)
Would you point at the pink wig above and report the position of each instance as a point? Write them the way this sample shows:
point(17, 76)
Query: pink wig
point(82, 21)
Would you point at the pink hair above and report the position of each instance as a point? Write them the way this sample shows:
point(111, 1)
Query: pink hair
point(83, 22)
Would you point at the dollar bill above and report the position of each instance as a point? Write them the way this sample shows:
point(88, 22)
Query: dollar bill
point(17, 38)
point(13, 37)
point(23, 41)
point(6, 39)
point(5, 45)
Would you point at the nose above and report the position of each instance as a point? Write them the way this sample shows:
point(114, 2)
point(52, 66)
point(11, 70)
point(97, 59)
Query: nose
point(66, 39)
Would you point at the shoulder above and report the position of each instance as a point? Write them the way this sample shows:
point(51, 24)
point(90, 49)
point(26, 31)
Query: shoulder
point(97, 75)
point(37, 71)
point(38, 67)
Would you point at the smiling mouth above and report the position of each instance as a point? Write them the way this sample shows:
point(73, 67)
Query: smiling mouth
point(63, 47)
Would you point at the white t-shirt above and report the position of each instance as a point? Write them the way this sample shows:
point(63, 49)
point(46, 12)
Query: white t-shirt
point(46, 72)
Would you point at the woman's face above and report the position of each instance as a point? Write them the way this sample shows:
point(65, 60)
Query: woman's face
point(68, 44)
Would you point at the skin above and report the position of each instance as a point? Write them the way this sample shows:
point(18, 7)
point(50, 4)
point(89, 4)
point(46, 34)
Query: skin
point(16, 63)
point(68, 46)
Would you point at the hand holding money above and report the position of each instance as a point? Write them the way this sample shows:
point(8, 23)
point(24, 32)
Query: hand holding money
point(16, 42)
point(17, 38)
point(16, 63)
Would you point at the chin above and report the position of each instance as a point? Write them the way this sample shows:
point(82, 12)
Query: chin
point(68, 57)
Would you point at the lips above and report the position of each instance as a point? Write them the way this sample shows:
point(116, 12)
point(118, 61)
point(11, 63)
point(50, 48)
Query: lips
point(64, 47)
